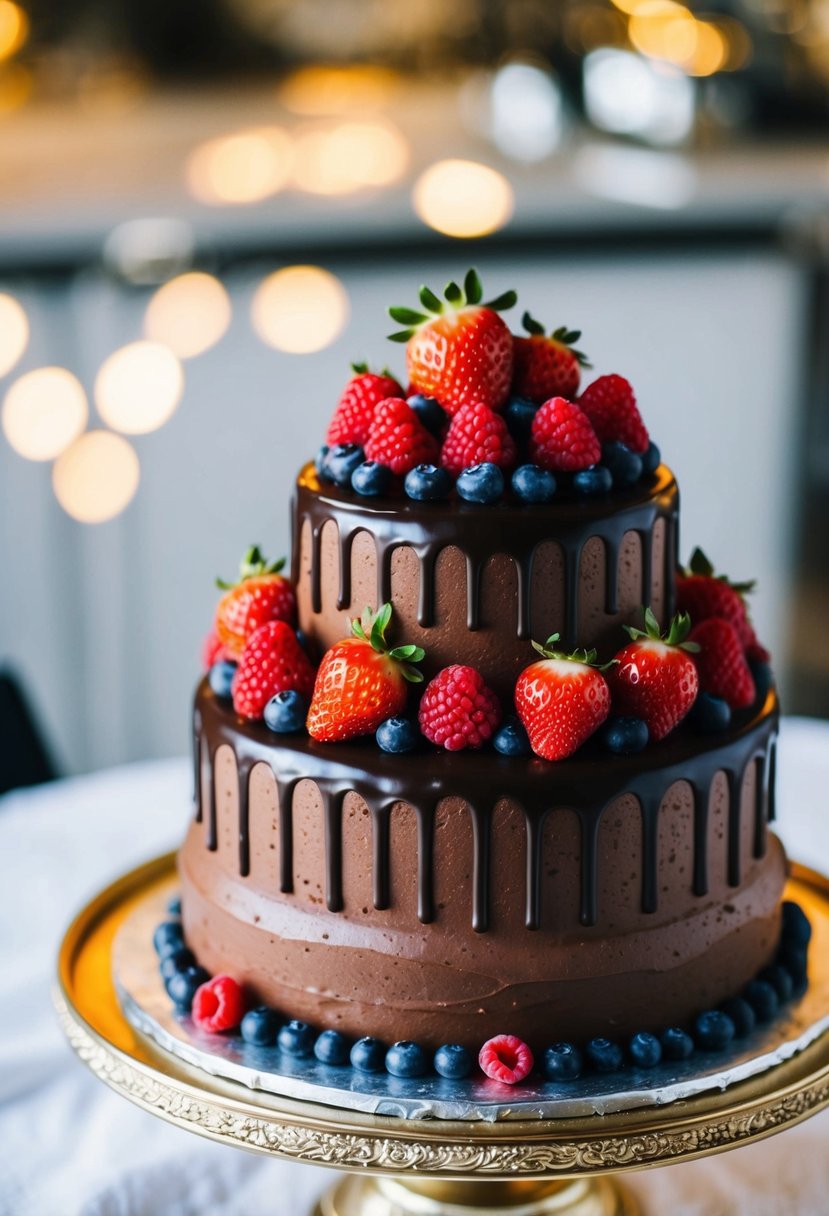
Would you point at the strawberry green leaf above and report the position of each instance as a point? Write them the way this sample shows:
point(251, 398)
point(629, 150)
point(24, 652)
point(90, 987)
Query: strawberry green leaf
point(415, 653)
point(501, 303)
point(430, 301)
point(453, 293)
point(407, 316)
point(359, 369)
point(402, 335)
point(472, 287)
point(411, 674)
point(532, 326)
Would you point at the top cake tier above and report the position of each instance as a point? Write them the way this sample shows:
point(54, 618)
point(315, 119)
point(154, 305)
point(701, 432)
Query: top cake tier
point(474, 584)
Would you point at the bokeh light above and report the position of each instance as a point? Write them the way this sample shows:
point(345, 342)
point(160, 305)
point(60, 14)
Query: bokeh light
point(14, 332)
point(629, 95)
point(526, 111)
point(300, 309)
point(14, 28)
point(463, 198)
point(44, 412)
point(96, 477)
point(245, 167)
point(320, 90)
point(138, 387)
point(189, 314)
point(349, 156)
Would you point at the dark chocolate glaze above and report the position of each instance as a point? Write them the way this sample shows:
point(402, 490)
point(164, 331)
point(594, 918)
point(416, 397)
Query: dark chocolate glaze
point(585, 784)
point(507, 528)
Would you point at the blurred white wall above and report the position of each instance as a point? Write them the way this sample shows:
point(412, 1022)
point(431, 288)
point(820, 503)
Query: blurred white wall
point(104, 623)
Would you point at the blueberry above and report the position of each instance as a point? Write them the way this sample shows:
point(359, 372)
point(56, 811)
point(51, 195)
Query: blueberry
point(429, 411)
point(625, 736)
point(714, 1030)
point(285, 713)
point(795, 927)
point(650, 459)
point(780, 981)
point(676, 1044)
point(481, 483)
point(645, 1050)
point(593, 481)
point(625, 466)
point(511, 739)
point(795, 959)
point(168, 937)
point(531, 483)
point(341, 462)
point(406, 1059)
point(321, 463)
point(332, 1047)
point(179, 960)
point(427, 483)
point(518, 414)
point(604, 1055)
point(220, 677)
point(763, 677)
point(181, 987)
point(371, 479)
point(260, 1026)
point(762, 998)
point(368, 1055)
point(741, 1014)
point(453, 1061)
point(563, 1062)
point(397, 735)
point(296, 1039)
point(174, 906)
point(709, 715)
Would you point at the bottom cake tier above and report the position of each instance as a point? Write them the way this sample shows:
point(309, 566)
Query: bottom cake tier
point(448, 898)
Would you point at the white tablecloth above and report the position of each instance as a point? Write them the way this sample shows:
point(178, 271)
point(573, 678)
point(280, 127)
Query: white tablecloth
point(71, 1147)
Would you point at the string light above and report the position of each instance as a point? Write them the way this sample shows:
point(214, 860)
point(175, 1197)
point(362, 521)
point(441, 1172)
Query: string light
point(246, 167)
point(14, 332)
point(189, 314)
point(14, 28)
point(300, 309)
point(138, 387)
point(349, 156)
point(462, 198)
point(319, 90)
point(96, 478)
point(44, 412)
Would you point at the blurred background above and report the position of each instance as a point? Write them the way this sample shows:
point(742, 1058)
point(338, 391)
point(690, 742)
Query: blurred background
point(205, 209)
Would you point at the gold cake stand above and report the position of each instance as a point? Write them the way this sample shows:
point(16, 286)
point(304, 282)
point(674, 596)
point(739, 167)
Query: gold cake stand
point(403, 1167)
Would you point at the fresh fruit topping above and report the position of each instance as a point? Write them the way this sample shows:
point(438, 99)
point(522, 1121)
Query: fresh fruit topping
point(722, 666)
point(273, 661)
point(546, 366)
point(756, 652)
point(532, 484)
point(168, 937)
point(427, 483)
point(332, 1047)
point(453, 1062)
point(355, 409)
point(183, 986)
point(260, 1026)
point(610, 404)
point(361, 681)
point(368, 1055)
point(481, 483)
point(645, 1050)
point(218, 1005)
point(593, 481)
point(741, 1014)
point(676, 1043)
point(562, 699)
point(650, 459)
point(261, 594)
point(511, 739)
point(398, 439)
point(795, 924)
point(713, 1030)
point(563, 438)
point(603, 1055)
point(296, 1039)
point(174, 906)
point(341, 462)
point(179, 961)
point(371, 479)
point(458, 349)
point(563, 1062)
point(430, 412)
point(220, 678)
point(458, 710)
point(321, 463)
point(213, 650)
point(709, 715)
point(654, 676)
point(625, 736)
point(518, 414)
point(506, 1058)
point(397, 736)
point(703, 595)
point(285, 713)
point(477, 435)
point(406, 1059)
point(780, 981)
point(624, 466)
point(762, 998)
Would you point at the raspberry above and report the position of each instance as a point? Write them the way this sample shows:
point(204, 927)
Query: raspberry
point(218, 1005)
point(722, 665)
point(477, 435)
point(506, 1058)
point(398, 439)
point(458, 710)
point(272, 661)
point(563, 438)
point(213, 650)
point(610, 404)
point(355, 410)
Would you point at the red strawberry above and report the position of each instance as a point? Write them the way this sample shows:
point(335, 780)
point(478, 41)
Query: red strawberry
point(361, 682)
point(563, 438)
point(703, 594)
point(458, 350)
point(755, 650)
point(213, 650)
point(544, 367)
point(476, 435)
point(458, 710)
point(273, 661)
point(722, 665)
point(355, 410)
point(610, 404)
point(397, 438)
point(219, 1004)
point(654, 677)
point(561, 700)
point(262, 594)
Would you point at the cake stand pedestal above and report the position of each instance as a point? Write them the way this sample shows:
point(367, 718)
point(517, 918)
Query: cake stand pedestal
point(408, 1167)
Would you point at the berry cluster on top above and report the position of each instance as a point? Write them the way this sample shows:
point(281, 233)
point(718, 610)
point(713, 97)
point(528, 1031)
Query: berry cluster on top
point(486, 412)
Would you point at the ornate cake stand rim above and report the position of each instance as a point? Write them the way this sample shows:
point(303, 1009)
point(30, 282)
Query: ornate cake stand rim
point(351, 1140)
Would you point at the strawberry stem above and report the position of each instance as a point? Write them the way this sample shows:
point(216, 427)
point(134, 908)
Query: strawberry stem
point(563, 335)
point(253, 565)
point(588, 658)
point(371, 627)
point(675, 635)
point(455, 296)
point(702, 565)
